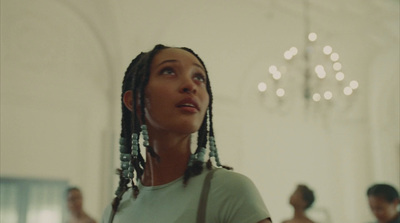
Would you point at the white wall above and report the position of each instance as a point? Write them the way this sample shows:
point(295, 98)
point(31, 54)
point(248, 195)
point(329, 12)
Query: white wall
point(62, 63)
point(56, 89)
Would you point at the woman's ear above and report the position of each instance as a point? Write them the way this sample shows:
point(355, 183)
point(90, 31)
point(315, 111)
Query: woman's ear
point(128, 100)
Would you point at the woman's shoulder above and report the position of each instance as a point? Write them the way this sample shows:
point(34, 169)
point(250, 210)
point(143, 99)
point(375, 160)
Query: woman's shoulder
point(230, 176)
point(231, 180)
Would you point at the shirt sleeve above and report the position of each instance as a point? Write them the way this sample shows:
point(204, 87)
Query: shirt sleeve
point(236, 199)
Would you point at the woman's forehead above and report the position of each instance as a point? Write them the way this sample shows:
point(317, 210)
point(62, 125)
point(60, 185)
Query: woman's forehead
point(174, 54)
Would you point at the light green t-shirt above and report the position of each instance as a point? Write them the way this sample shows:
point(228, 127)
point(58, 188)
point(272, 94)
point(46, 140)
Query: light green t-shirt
point(233, 198)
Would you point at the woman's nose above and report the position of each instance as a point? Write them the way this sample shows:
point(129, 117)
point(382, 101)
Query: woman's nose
point(188, 86)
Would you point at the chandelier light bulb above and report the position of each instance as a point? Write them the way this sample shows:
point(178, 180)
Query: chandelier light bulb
point(288, 55)
point(262, 86)
point(339, 76)
point(277, 75)
point(353, 84)
point(293, 50)
point(327, 50)
point(347, 91)
point(320, 70)
point(312, 37)
point(272, 69)
point(334, 57)
point(337, 66)
point(280, 92)
point(316, 97)
point(321, 74)
point(328, 95)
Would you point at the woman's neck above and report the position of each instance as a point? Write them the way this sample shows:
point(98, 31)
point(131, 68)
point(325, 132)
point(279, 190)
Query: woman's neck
point(171, 163)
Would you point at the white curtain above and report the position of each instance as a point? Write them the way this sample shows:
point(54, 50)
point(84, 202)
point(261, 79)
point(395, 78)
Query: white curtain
point(32, 200)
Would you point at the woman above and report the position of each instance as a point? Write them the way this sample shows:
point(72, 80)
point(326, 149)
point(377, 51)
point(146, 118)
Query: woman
point(166, 96)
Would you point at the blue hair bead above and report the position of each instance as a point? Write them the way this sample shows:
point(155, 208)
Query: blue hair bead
point(201, 154)
point(125, 173)
point(213, 152)
point(125, 157)
point(122, 141)
point(130, 175)
point(145, 136)
point(135, 144)
point(123, 149)
point(191, 159)
point(134, 137)
point(217, 161)
point(135, 150)
point(125, 165)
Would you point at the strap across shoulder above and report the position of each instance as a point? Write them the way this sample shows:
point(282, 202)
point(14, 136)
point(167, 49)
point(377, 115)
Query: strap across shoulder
point(201, 211)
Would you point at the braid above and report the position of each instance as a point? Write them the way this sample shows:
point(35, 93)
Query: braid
point(210, 112)
point(126, 137)
point(122, 185)
point(141, 88)
point(212, 135)
point(135, 79)
point(137, 161)
point(197, 166)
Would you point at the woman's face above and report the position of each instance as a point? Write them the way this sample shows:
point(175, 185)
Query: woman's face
point(176, 98)
point(383, 210)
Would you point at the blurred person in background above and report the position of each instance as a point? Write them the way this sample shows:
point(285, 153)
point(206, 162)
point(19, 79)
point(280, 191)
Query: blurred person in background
point(301, 199)
point(384, 201)
point(75, 207)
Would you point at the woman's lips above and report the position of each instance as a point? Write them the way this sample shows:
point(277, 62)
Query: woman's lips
point(189, 105)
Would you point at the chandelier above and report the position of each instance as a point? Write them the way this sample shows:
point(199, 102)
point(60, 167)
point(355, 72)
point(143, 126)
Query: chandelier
point(313, 72)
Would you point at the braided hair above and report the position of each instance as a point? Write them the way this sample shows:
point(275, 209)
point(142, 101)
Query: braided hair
point(136, 79)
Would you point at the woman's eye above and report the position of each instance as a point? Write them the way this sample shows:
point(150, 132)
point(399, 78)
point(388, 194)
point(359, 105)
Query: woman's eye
point(167, 71)
point(200, 77)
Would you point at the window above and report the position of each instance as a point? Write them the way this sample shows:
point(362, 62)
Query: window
point(32, 200)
